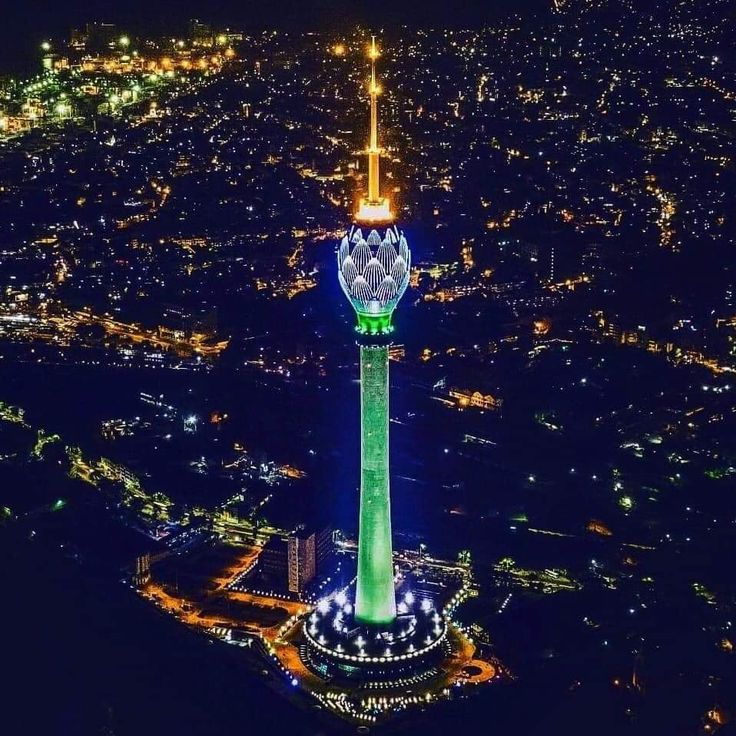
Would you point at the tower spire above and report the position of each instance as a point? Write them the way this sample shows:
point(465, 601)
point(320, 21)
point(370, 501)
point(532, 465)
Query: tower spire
point(374, 153)
point(374, 208)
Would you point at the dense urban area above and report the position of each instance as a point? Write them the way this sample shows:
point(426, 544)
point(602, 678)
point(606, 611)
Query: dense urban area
point(179, 379)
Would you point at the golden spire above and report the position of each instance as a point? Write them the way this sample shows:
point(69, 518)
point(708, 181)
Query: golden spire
point(374, 154)
point(374, 208)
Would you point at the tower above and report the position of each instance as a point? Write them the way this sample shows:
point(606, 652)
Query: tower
point(365, 633)
point(373, 269)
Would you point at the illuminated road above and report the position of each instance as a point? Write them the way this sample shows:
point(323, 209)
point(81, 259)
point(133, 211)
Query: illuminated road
point(194, 614)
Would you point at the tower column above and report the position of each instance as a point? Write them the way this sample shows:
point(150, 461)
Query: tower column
point(375, 601)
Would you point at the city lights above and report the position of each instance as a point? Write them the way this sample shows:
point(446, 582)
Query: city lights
point(531, 464)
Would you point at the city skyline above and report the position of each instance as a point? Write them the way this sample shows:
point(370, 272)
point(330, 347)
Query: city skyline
point(26, 27)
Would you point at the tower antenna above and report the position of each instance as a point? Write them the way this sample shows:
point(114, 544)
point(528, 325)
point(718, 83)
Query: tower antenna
point(374, 208)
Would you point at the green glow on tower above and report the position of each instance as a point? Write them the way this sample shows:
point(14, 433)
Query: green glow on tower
point(374, 274)
point(374, 324)
point(373, 269)
point(375, 601)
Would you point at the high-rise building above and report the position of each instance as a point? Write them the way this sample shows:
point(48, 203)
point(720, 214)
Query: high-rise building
point(291, 562)
point(201, 34)
point(301, 549)
point(274, 561)
point(142, 575)
point(373, 269)
point(324, 549)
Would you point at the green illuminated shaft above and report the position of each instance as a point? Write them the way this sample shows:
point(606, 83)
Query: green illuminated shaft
point(375, 601)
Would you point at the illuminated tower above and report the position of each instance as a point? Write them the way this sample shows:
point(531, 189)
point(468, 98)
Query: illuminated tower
point(373, 269)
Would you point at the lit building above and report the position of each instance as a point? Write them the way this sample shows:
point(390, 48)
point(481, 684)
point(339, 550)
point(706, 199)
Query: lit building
point(201, 34)
point(475, 399)
point(290, 562)
point(142, 575)
point(302, 562)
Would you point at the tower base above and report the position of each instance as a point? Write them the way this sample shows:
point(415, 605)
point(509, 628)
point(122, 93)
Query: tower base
point(339, 647)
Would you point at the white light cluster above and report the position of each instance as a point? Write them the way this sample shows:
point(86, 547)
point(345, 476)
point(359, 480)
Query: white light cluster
point(411, 653)
point(374, 271)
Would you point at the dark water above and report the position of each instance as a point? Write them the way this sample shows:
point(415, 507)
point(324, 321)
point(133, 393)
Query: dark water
point(83, 655)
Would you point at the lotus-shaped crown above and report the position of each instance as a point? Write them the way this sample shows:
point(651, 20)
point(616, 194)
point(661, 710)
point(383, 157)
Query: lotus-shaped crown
point(374, 274)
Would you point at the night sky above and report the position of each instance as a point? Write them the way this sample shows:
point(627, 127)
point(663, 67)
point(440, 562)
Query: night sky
point(26, 24)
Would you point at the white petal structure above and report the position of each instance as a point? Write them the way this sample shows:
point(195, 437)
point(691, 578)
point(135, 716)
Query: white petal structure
point(374, 271)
